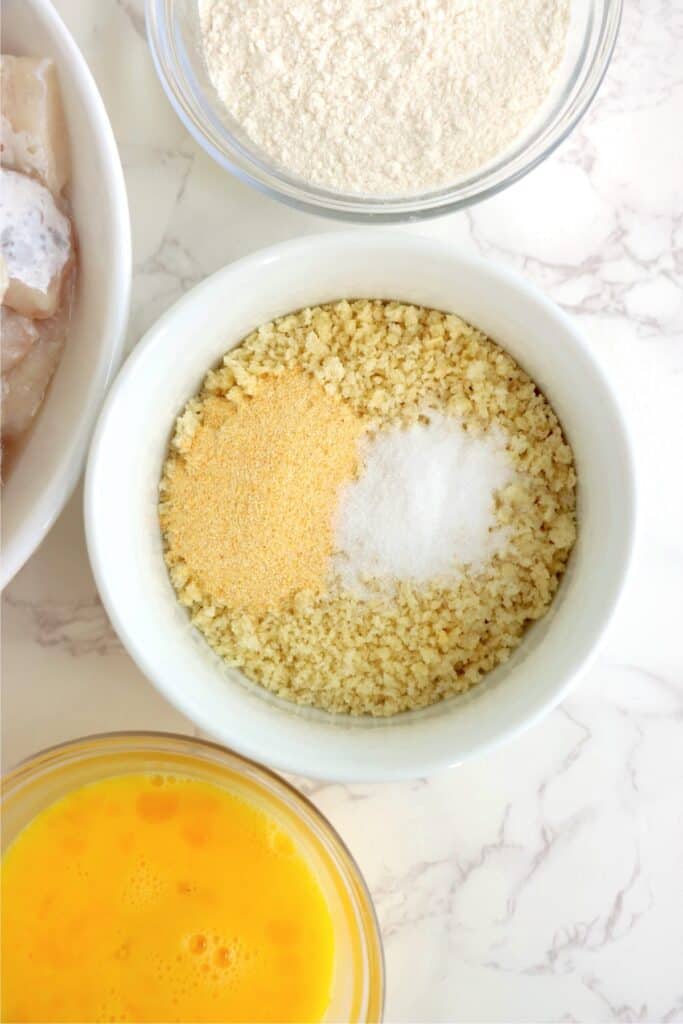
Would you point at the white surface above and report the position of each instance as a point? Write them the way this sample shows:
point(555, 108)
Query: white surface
point(50, 463)
point(542, 883)
point(130, 443)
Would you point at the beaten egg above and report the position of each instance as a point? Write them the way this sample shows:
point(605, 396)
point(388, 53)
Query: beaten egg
point(159, 897)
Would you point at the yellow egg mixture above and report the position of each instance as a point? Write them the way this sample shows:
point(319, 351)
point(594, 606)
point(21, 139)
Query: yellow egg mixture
point(161, 898)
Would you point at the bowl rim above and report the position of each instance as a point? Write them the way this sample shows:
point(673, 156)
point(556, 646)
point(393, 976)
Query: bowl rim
point(336, 768)
point(18, 548)
point(144, 740)
point(280, 185)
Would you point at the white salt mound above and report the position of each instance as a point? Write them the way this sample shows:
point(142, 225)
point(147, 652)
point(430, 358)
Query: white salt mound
point(424, 505)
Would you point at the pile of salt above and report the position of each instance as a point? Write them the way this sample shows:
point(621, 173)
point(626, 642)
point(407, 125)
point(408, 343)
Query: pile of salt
point(423, 507)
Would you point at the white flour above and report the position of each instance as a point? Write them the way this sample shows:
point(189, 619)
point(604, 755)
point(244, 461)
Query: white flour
point(35, 236)
point(423, 507)
point(383, 96)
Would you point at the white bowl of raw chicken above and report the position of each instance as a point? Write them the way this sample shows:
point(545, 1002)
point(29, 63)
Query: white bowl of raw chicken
point(49, 464)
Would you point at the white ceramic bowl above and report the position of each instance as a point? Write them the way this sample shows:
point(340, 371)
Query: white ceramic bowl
point(49, 465)
point(167, 368)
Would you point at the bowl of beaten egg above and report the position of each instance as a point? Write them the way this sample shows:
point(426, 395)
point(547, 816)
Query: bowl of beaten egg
point(360, 506)
point(173, 880)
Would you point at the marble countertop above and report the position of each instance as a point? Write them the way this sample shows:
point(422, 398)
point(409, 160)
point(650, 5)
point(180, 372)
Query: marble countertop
point(544, 882)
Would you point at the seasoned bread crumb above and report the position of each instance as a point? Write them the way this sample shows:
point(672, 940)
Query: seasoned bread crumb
point(379, 655)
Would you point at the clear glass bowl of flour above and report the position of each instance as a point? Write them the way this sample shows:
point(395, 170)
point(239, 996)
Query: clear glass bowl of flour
point(175, 40)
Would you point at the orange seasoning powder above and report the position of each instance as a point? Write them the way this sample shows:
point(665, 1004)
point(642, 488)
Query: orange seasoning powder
point(247, 510)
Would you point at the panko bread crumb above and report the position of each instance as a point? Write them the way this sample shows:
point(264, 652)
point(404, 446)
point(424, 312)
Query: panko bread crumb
point(382, 653)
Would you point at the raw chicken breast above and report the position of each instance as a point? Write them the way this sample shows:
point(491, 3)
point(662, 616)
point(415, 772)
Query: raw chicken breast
point(33, 135)
point(24, 387)
point(36, 245)
point(25, 384)
point(17, 335)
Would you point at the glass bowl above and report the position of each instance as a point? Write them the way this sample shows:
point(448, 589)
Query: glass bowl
point(358, 983)
point(174, 38)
